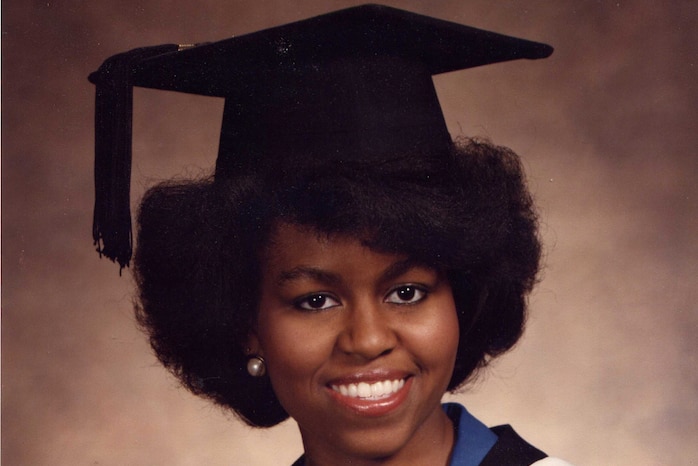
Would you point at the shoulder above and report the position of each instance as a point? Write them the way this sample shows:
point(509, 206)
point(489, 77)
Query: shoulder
point(551, 462)
point(512, 450)
point(475, 444)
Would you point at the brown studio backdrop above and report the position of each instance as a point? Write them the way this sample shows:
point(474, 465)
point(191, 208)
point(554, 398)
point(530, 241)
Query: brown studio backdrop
point(607, 130)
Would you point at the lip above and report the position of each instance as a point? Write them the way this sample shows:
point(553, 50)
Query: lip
point(371, 407)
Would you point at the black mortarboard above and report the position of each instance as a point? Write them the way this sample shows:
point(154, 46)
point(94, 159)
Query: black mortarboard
point(350, 85)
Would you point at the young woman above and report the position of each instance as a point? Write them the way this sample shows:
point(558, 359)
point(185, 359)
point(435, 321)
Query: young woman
point(348, 263)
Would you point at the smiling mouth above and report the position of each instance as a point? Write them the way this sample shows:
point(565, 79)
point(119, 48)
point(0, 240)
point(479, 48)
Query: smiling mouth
point(372, 399)
point(370, 391)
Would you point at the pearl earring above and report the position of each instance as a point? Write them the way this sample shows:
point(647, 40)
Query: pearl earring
point(256, 367)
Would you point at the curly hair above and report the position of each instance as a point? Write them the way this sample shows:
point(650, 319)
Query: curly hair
point(468, 213)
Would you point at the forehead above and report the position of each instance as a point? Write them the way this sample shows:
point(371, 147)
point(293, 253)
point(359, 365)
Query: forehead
point(291, 246)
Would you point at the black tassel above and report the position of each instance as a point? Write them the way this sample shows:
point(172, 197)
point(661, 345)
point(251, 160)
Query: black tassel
point(111, 229)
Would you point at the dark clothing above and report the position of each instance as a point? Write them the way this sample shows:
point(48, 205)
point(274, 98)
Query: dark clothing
point(476, 445)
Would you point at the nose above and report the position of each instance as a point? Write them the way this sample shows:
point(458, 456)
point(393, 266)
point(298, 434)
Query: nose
point(367, 332)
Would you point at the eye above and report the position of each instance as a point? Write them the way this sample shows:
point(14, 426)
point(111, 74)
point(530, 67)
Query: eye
point(406, 294)
point(316, 302)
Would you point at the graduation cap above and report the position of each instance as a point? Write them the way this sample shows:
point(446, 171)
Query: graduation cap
point(353, 85)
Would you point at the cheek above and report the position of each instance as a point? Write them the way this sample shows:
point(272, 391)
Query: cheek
point(294, 351)
point(281, 344)
point(439, 336)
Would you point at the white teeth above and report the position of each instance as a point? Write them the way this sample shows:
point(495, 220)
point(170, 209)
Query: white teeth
point(371, 391)
point(364, 390)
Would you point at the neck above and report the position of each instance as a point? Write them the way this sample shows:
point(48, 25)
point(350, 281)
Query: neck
point(431, 443)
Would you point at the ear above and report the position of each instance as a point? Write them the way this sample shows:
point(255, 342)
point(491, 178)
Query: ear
point(252, 346)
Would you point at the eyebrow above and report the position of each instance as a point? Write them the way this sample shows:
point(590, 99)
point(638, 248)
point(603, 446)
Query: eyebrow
point(310, 273)
point(397, 269)
point(393, 271)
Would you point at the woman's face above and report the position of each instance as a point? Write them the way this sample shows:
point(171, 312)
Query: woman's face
point(359, 345)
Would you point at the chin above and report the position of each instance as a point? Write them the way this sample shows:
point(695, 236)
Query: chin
point(381, 443)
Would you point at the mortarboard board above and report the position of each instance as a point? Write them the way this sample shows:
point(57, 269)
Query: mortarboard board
point(353, 85)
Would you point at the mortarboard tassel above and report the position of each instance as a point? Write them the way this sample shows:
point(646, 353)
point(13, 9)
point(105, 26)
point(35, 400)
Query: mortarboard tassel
point(111, 229)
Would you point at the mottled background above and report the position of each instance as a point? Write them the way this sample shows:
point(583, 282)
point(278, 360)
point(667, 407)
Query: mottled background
point(607, 128)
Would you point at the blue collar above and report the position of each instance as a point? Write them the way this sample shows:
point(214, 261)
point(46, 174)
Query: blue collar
point(473, 440)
